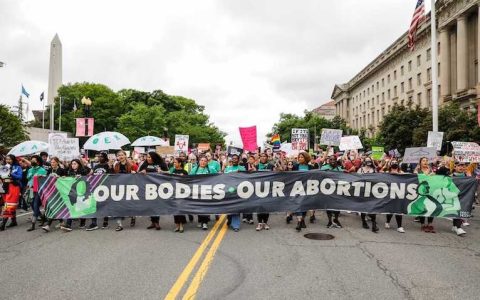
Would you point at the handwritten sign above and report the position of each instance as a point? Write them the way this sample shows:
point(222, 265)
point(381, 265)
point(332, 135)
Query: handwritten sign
point(435, 140)
point(413, 155)
point(249, 138)
point(165, 150)
point(350, 143)
point(331, 137)
point(203, 147)
point(181, 143)
point(234, 151)
point(467, 152)
point(65, 149)
point(300, 139)
point(377, 153)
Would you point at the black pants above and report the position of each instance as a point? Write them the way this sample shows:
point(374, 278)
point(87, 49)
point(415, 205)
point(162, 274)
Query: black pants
point(422, 220)
point(203, 219)
point(247, 216)
point(263, 218)
point(179, 219)
point(69, 223)
point(457, 223)
point(372, 216)
point(94, 220)
point(398, 218)
point(335, 213)
point(155, 219)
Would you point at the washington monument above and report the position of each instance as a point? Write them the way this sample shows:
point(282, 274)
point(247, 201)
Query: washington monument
point(54, 75)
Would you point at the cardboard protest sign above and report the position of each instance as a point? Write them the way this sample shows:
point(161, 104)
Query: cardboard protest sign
point(203, 147)
point(435, 140)
point(467, 152)
point(249, 138)
point(377, 153)
point(331, 137)
point(234, 151)
point(413, 155)
point(300, 139)
point(181, 143)
point(62, 147)
point(350, 143)
point(165, 150)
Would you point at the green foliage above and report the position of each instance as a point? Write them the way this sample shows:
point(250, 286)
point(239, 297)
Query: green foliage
point(12, 130)
point(136, 113)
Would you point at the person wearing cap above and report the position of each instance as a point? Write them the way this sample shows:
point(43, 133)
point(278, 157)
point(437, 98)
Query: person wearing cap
point(332, 165)
point(459, 171)
point(234, 219)
point(101, 168)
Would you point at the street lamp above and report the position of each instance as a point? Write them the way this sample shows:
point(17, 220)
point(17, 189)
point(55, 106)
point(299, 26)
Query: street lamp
point(87, 102)
point(165, 131)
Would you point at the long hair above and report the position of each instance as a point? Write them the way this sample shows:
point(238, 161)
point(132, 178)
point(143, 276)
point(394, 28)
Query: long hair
point(38, 158)
point(158, 160)
point(14, 159)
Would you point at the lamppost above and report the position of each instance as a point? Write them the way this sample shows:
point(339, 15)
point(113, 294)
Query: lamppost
point(86, 109)
point(165, 132)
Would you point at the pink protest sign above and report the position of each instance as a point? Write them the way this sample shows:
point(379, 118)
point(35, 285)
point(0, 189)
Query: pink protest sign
point(84, 127)
point(249, 138)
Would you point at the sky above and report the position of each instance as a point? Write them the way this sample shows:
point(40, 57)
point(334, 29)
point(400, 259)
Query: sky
point(246, 61)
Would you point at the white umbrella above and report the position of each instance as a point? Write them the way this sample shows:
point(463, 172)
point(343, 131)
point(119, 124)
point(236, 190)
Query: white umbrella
point(150, 141)
point(29, 147)
point(108, 140)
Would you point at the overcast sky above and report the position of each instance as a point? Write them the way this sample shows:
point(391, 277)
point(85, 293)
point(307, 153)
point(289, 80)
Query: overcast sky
point(246, 61)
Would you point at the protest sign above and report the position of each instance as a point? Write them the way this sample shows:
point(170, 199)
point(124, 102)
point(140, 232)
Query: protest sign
point(165, 150)
point(435, 140)
point(234, 151)
point(413, 155)
point(203, 147)
point(181, 143)
point(84, 127)
point(350, 143)
point(162, 194)
point(377, 153)
point(331, 137)
point(249, 138)
point(300, 139)
point(467, 152)
point(62, 147)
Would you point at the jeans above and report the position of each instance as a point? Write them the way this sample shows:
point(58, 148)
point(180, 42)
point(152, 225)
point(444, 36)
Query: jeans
point(36, 203)
point(234, 221)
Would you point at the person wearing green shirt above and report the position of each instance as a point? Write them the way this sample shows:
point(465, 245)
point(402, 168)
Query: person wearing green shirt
point(234, 219)
point(332, 165)
point(212, 164)
point(263, 166)
point(201, 169)
point(36, 169)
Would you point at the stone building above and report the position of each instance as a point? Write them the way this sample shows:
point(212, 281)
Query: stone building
point(399, 75)
point(327, 110)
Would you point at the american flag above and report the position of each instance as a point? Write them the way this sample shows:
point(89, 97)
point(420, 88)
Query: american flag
point(418, 17)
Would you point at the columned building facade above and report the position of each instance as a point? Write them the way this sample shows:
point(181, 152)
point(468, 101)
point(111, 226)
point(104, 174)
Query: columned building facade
point(399, 75)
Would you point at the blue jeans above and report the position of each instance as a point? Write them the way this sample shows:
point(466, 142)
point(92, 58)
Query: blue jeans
point(235, 221)
point(36, 207)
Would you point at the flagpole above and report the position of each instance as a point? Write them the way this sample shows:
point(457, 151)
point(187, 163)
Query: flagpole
point(52, 117)
point(433, 23)
point(60, 116)
point(43, 115)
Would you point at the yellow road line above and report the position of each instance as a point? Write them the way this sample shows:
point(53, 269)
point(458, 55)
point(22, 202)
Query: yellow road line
point(182, 279)
point(203, 269)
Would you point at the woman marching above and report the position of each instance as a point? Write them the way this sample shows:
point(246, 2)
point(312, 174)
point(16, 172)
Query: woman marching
point(303, 160)
point(54, 170)
point(179, 169)
point(367, 168)
point(12, 196)
point(393, 167)
point(201, 169)
point(35, 170)
point(424, 168)
point(153, 164)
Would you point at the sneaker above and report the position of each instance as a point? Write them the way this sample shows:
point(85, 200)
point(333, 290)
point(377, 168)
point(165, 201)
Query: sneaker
point(265, 226)
point(337, 224)
point(92, 227)
point(401, 230)
point(244, 220)
point(387, 226)
point(365, 225)
point(431, 229)
point(105, 225)
point(65, 228)
point(312, 219)
point(330, 225)
point(199, 225)
point(289, 219)
point(46, 228)
point(82, 226)
point(417, 219)
point(299, 226)
point(59, 226)
point(464, 223)
point(250, 222)
point(458, 231)
point(204, 226)
point(236, 229)
point(259, 227)
point(119, 228)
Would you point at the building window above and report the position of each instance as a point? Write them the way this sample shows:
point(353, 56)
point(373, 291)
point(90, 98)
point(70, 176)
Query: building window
point(388, 94)
point(410, 86)
point(383, 82)
point(378, 99)
point(429, 54)
point(383, 111)
point(368, 91)
point(388, 110)
point(429, 97)
point(395, 91)
point(402, 70)
point(419, 99)
point(395, 75)
point(429, 74)
point(419, 60)
point(383, 97)
point(438, 70)
point(388, 78)
point(409, 66)
point(402, 87)
point(419, 79)
point(378, 85)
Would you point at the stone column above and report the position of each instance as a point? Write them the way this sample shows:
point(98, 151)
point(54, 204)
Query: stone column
point(462, 67)
point(444, 63)
point(345, 109)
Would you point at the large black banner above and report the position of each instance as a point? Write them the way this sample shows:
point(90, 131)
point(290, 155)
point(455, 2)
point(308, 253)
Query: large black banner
point(158, 194)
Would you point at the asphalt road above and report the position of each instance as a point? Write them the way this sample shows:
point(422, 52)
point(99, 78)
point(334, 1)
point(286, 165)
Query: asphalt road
point(277, 264)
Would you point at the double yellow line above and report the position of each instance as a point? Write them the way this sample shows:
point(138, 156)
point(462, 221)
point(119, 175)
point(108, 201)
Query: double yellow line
point(220, 227)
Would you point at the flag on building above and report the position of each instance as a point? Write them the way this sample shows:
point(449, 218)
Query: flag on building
point(418, 17)
point(42, 96)
point(24, 91)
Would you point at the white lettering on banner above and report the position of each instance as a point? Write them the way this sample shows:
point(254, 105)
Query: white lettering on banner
point(117, 192)
point(412, 192)
point(132, 191)
point(241, 189)
point(368, 189)
point(258, 189)
point(150, 191)
point(297, 189)
point(397, 190)
point(357, 185)
point(165, 190)
point(376, 190)
point(312, 187)
point(343, 188)
point(219, 191)
point(101, 193)
point(182, 191)
point(277, 189)
point(206, 192)
point(331, 186)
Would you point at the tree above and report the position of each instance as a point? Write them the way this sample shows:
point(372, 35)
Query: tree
point(12, 131)
point(142, 120)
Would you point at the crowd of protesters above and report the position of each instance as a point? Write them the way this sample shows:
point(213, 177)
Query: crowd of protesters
point(19, 191)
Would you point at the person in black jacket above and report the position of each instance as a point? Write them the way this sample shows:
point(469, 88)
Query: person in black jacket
point(179, 169)
point(99, 169)
point(54, 170)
